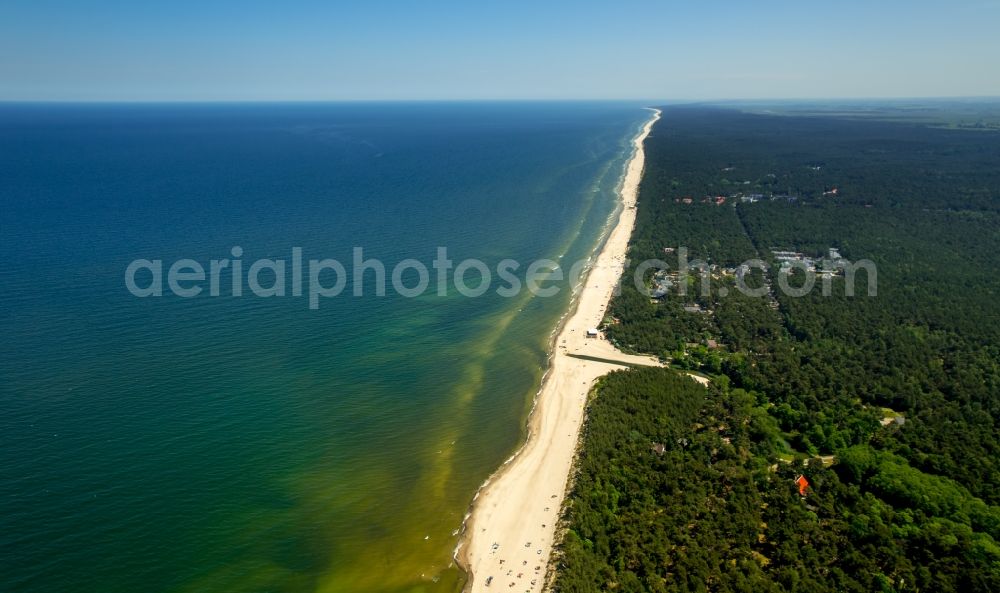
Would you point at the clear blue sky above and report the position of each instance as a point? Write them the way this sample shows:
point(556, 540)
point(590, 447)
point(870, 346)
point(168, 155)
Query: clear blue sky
point(474, 49)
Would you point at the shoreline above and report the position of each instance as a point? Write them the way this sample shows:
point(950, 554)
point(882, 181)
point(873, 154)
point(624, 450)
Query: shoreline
point(511, 525)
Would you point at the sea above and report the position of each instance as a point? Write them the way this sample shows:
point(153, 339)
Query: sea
point(250, 438)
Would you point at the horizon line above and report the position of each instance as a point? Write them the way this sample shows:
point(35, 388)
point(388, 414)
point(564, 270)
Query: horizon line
point(663, 101)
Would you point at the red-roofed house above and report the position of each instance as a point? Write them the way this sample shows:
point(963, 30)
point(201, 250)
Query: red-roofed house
point(803, 484)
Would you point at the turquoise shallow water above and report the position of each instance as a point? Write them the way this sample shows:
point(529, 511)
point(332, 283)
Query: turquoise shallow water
point(252, 444)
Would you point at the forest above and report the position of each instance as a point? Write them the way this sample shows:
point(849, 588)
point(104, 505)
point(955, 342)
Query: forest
point(885, 399)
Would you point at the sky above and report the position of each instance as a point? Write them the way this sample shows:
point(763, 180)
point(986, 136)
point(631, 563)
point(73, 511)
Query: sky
point(250, 50)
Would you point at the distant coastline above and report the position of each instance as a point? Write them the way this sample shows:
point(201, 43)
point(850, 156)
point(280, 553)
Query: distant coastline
point(511, 525)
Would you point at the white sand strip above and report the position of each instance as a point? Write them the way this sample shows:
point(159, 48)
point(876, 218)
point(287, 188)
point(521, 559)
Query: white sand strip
point(509, 533)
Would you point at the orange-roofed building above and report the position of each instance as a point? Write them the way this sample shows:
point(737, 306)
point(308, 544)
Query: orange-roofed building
point(803, 484)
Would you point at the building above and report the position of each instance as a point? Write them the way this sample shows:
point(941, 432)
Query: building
point(593, 333)
point(803, 484)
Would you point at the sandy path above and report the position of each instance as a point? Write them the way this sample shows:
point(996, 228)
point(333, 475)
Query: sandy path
point(510, 531)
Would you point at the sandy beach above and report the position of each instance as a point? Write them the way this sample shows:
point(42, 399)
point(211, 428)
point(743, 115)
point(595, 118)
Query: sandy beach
point(509, 533)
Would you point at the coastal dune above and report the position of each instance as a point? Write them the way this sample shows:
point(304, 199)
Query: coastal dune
point(509, 533)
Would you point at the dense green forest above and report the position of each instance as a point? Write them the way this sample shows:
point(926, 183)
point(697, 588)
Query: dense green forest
point(887, 399)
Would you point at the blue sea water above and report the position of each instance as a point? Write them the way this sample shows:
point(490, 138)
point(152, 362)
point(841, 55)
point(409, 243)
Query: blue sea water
point(240, 443)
